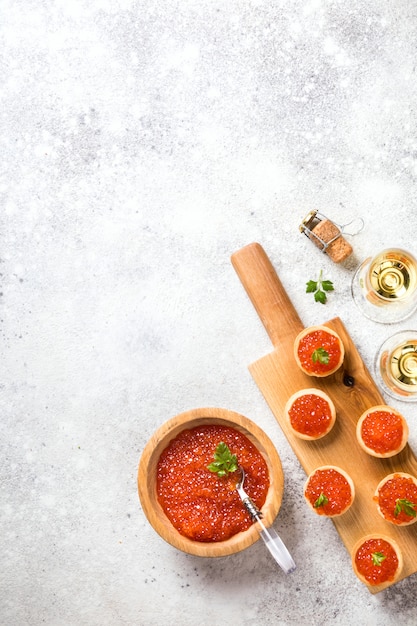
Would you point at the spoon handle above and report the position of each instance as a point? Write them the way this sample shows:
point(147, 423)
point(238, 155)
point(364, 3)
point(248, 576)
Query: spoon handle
point(277, 548)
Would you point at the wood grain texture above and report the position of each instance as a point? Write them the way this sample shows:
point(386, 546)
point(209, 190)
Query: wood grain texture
point(278, 377)
point(147, 478)
point(266, 292)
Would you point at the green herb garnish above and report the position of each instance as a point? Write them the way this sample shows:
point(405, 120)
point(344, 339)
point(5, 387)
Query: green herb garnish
point(321, 501)
point(409, 508)
point(319, 288)
point(377, 558)
point(224, 461)
point(321, 355)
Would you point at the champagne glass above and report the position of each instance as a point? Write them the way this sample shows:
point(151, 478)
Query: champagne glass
point(396, 365)
point(385, 287)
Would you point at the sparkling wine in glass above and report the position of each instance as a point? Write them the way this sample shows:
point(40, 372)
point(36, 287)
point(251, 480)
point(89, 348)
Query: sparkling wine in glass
point(385, 287)
point(396, 366)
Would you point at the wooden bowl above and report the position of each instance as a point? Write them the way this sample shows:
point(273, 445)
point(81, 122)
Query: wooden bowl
point(147, 480)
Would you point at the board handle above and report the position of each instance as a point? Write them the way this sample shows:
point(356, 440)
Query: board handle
point(266, 292)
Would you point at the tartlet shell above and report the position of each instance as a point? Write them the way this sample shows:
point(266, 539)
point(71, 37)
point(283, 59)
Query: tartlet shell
point(380, 484)
point(389, 540)
point(307, 331)
point(380, 455)
point(305, 392)
point(349, 480)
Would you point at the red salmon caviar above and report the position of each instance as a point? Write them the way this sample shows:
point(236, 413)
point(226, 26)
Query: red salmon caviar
point(376, 560)
point(329, 491)
point(201, 505)
point(318, 351)
point(382, 431)
point(311, 413)
point(396, 498)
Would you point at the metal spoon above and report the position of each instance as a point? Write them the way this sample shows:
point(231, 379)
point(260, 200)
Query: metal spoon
point(272, 540)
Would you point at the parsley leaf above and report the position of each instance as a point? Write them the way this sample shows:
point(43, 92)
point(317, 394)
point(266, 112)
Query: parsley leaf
point(224, 461)
point(319, 288)
point(320, 296)
point(409, 508)
point(327, 285)
point(321, 501)
point(321, 355)
point(377, 558)
point(311, 286)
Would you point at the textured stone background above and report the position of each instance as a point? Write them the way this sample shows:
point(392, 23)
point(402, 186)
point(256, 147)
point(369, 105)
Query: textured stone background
point(142, 143)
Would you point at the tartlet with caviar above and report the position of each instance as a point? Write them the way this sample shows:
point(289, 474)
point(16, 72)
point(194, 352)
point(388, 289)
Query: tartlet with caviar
point(311, 414)
point(377, 559)
point(329, 491)
point(318, 351)
point(396, 498)
point(382, 431)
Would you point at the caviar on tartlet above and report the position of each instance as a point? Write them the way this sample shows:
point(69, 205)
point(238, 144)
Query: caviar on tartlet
point(382, 431)
point(376, 559)
point(318, 351)
point(396, 498)
point(329, 491)
point(311, 414)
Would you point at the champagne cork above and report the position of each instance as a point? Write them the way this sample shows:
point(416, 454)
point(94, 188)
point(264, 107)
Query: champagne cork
point(326, 236)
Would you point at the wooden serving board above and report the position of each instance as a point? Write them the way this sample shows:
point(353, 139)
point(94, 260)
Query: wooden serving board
point(278, 377)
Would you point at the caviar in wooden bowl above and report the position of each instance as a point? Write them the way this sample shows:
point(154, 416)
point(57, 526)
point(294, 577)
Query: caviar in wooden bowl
point(396, 498)
point(318, 351)
point(377, 560)
point(329, 491)
point(193, 508)
point(382, 431)
point(311, 414)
